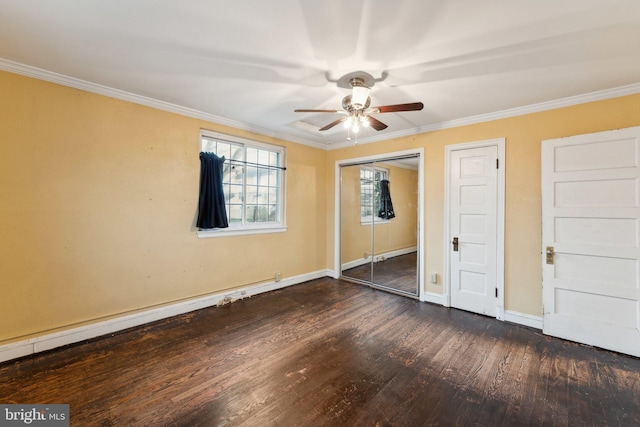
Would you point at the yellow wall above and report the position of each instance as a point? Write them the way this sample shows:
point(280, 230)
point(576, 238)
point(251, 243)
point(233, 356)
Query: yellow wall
point(523, 277)
point(99, 199)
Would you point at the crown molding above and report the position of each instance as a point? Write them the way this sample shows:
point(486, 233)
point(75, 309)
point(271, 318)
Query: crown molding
point(503, 114)
point(41, 74)
point(536, 108)
point(61, 79)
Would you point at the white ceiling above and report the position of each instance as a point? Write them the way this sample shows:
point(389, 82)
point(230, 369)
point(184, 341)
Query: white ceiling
point(250, 63)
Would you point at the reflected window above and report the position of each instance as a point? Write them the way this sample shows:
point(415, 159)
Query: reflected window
point(370, 178)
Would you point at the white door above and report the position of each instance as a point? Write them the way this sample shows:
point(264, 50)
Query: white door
point(473, 206)
point(590, 229)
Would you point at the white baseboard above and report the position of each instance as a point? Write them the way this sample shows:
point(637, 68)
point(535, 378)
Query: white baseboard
point(433, 298)
point(504, 315)
point(78, 334)
point(333, 274)
point(523, 319)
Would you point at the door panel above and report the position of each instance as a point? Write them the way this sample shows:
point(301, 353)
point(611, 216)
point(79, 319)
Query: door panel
point(473, 220)
point(590, 216)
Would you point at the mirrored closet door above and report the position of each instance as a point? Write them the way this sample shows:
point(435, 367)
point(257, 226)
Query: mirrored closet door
point(379, 224)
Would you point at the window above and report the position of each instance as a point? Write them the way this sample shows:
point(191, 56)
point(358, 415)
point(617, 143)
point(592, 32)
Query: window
point(252, 182)
point(370, 178)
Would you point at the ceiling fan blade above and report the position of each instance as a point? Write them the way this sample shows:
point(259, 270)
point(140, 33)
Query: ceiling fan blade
point(376, 124)
point(414, 106)
point(332, 124)
point(316, 111)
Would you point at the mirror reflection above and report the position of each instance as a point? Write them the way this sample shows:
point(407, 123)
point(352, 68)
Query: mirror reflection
point(379, 224)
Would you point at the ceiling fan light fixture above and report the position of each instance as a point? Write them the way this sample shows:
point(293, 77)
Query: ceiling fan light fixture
point(359, 96)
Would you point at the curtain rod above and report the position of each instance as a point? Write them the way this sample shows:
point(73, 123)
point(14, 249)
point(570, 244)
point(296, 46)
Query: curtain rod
point(242, 162)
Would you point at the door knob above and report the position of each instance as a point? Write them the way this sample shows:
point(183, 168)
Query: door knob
point(550, 252)
point(455, 244)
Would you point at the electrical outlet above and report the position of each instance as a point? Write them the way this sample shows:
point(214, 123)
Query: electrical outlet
point(434, 277)
point(277, 276)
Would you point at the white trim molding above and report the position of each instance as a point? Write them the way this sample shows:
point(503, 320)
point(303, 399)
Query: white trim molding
point(74, 335)
point(523, 319)
point(434, 298)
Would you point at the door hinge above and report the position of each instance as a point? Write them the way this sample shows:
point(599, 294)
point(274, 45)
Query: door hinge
point(496, 292)
point(497, 163)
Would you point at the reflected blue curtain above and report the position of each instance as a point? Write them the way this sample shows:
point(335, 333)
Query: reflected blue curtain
point(386, 206)
point(211, 209)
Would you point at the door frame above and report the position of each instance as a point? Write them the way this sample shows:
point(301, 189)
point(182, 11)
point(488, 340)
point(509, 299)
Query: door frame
point(500, 143)
point(337, 211)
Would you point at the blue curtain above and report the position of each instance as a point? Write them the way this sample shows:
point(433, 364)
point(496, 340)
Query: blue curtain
point(386, 207)
point(211, 209)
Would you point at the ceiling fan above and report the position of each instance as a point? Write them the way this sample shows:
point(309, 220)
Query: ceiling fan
point(356, 107)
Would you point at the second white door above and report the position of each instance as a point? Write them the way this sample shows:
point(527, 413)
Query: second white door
point(473, 208)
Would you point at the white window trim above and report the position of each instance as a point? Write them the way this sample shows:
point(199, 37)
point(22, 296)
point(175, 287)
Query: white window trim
point(243, 230)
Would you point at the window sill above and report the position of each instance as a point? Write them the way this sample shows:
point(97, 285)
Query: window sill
point(244, 231)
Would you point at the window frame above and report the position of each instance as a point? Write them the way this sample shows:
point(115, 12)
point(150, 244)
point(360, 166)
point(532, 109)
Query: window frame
point(373, 219)
point(247, 228)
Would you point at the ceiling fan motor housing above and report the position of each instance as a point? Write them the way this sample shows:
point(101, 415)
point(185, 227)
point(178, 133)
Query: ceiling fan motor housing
point(349, 106)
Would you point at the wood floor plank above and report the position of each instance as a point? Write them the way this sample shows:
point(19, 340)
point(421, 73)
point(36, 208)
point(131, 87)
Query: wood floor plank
point(330, 353)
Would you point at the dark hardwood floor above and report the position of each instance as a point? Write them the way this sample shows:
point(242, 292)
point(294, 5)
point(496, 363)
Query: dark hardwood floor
point(399, 273)
point(330, 353)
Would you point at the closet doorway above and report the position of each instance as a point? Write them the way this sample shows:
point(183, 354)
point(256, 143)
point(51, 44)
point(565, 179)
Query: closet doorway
point(379, 221)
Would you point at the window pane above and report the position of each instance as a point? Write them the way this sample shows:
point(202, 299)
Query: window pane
point(208, 145)
point(273, 159)
point(273, 195)
point(263, 157)
point(252, 194)
point(263, 195)
point(252, 175)
point(223, 150)
point(261, 213)
point(273, 213)
point(252, 155)
point(236, 152)
point(263, 176)
point(235, 214)
point(235, 194)
point(251, 213)
point(236, 173)
point(272, 177)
